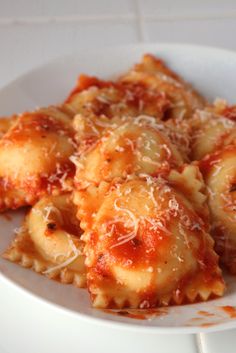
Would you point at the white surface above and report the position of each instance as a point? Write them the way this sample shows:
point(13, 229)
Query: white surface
point(41, 329)
point(17, 55)
point(218, 343)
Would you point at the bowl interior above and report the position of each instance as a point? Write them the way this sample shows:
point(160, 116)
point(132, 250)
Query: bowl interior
point(210, 71)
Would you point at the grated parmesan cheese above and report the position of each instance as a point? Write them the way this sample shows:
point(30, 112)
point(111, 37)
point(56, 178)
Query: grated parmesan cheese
point(134, 223)
point(67, 262)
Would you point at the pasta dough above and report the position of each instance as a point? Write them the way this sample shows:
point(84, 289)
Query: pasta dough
point(210, 133)
point(141, 157)
point(154, 74)
point(50, 243)
point(150, 88)
point(102, 98)
point(34, 157)
point(5, 124)
point(219, 171)
point(126, 147)
point(146, 246)
point(221, 107)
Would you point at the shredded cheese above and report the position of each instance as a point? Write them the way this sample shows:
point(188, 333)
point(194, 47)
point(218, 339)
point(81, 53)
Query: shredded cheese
point(134, 223)
point(68, 261)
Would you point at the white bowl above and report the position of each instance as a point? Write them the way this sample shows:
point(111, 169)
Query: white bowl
point(212, 72)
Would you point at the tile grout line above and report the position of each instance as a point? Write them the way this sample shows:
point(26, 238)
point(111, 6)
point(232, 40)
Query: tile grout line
point(140, 23)
point(130, 17)
point(65, 19)
point(199, 343)
point(191, 17)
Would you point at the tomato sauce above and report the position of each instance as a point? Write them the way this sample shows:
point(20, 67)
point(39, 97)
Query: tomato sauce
point(229, 310)
point(84, 82)
point(144, 314)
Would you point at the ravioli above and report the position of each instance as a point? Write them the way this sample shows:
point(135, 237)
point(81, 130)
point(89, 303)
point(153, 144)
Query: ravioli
point(50, 241)
point(93, 96)
point(210, 133)
point(34, 157)
point(128, 147)
point(146, 246)
point(221, 107)
point(149, 88)
point(219, 171)
point(154, 74)
point(5, 124)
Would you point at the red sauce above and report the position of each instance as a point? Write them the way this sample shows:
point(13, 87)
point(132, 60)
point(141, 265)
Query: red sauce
point(139, 93)
point(138, 314)
point(45, 184)
point(230, 112)
point(145, 251)
point(141, 250)
point(205, 313)
point(208, 324)
point(84, 82)
point(207, 164)
point(199, 322)
point(196, 319)
point(229, 310)
point(138, 97)
point(35, 125)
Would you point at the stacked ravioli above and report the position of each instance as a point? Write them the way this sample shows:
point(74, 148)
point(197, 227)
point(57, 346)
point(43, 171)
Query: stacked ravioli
point(131, 186)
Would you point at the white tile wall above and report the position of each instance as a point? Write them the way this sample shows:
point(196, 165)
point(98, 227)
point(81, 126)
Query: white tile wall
point(35, 31)
point(24, 46)
point(64, 8)
point(214, 32)
point(187, 8)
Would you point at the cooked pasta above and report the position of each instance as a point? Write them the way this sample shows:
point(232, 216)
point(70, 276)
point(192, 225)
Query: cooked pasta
point(126, 147)
point(154, 74)
point(103, 98)
point(49, 241)
point(147, 247)
point(221, 107)
point(34, 157)
point(210, 133)
point(132, 188)
point(219, 171)
point(5, 124)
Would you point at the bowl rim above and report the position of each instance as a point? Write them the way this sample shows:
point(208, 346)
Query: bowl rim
point(132, 326)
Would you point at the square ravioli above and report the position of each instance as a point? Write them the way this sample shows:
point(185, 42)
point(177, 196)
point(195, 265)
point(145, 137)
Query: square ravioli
point(146, 244)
